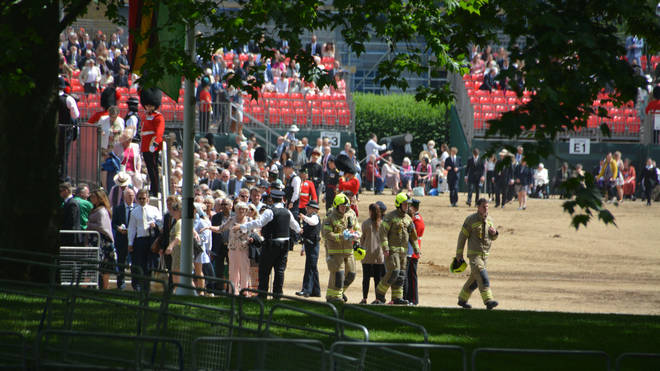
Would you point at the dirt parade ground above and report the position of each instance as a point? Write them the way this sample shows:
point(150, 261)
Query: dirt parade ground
point(539, 262)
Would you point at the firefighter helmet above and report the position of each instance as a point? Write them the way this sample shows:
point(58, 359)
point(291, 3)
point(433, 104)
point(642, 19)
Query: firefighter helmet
point(400, 198)
point(457, 265)
point(341, 199)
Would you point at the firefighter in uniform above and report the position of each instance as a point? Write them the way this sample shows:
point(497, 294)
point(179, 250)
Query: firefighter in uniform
point(479, 232)
point(152, 134)
point(340, 230)
point(396, 230)
point(275, 223)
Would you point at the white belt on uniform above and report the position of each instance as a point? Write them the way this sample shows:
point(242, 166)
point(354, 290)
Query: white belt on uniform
point(148, 132)
point(281, 239)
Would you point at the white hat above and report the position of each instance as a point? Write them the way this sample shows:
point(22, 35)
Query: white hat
point(294, 129)
point(122, 179)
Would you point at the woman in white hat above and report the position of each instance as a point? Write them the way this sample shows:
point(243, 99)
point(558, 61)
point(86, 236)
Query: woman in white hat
point(131, 162)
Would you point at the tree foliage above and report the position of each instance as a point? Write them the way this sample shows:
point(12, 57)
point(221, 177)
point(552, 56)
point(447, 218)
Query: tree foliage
point(571, 51)
point(387, 115)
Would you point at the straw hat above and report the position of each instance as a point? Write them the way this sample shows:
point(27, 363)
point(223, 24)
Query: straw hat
point(122, 179)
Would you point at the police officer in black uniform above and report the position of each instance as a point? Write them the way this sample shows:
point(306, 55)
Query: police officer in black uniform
point(292, 189)
point(330, 179)
point(315, 171)
point(67, 127)
point(275, 224)
point(311, 236)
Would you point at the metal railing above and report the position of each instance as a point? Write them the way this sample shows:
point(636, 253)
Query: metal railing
point(84, 160)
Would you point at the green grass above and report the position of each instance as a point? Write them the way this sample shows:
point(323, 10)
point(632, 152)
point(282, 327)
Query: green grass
point(611, 333)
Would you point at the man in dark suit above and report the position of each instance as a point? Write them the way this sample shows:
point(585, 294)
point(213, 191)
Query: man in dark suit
point(69, 216)
point(236, 183)
point(503, 179)
point(120, 218)
point(313, 47)
point(453, 167)
point(219, 240)
point(475, 174)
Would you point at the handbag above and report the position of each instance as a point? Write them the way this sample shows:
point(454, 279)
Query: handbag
point(197, 248)
point(160, 274)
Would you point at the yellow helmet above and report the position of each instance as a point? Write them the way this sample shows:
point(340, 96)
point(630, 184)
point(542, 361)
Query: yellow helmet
point(341, 199)
point(358, 252)
point(457, 265)
point(400, 198)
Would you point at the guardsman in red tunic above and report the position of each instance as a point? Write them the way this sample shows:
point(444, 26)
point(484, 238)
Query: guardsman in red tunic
point(153, 128)
point(307, 190)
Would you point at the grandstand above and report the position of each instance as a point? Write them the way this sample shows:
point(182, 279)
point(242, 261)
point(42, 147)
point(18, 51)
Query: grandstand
point(623, 122)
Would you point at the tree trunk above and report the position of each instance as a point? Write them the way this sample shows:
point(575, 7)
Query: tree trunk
point(29, 197)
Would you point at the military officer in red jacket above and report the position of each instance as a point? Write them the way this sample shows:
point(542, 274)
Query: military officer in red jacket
point(153, 128)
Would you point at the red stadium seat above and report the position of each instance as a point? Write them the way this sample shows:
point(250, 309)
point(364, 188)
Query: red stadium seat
point(478, 120)
point(247, 110)
point(259, 113)
point(301, 116)
point(287, 116)
point(341, 104)
point(327, 104)
point(317, 118)
point(344, 117)
point(298, 103)
point(474, 100)
point(274, 116)
point(486, 100)
point(330, 116)
point(482, 93)
point(296, 96)
point(498, 100)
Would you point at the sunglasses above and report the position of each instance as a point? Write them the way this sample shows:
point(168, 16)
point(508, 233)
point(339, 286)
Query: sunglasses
point(142, 198)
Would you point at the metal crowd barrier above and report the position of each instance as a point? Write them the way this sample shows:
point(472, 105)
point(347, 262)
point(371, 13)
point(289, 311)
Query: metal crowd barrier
point(636, 356)
point(79, 260)
point(263, 354)
point(12, 351)
point(548, 352)
point(91, 350)
point(348, 355)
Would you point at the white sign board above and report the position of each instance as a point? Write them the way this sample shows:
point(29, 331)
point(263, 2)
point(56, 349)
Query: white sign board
point(579, 146)
point(656, 121)
point(334, 136)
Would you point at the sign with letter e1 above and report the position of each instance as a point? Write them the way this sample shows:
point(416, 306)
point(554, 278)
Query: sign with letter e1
point(333, 136)
point(579, 146)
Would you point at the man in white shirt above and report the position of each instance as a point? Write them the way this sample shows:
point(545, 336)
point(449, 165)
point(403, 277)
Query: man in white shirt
point(275, 224)
point(142, 231)
point(372, 147)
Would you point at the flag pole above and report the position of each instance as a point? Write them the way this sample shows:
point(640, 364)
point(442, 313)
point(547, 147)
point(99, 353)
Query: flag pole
point(188, 144)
